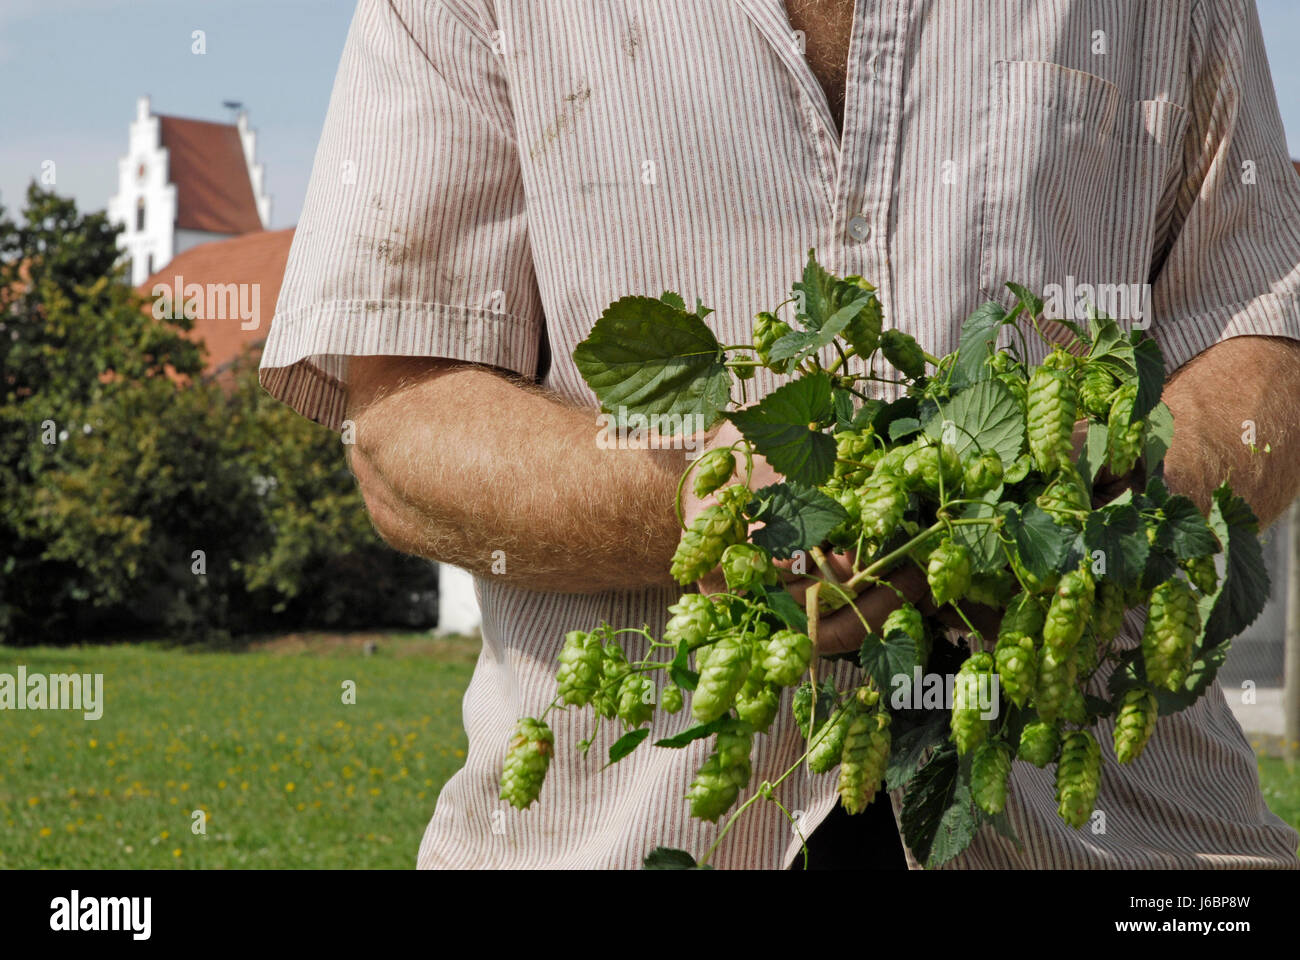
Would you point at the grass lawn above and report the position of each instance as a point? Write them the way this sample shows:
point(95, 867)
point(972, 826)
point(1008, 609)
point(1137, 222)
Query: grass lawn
point(286, 773)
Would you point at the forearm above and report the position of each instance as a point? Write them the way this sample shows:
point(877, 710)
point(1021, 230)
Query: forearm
point(1215, 400)
point(463, 463)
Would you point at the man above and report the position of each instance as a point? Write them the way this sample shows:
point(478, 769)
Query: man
point(494, 172)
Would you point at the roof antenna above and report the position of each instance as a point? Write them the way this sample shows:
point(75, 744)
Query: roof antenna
point(234, 106)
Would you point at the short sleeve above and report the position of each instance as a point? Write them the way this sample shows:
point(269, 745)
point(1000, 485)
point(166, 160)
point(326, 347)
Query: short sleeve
point(413, 239)
point(1233, 266)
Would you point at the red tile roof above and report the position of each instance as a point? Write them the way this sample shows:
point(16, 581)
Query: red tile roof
point(207, 165)
point(254, 261)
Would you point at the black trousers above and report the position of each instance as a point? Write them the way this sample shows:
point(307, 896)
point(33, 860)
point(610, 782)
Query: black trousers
point(868, 841)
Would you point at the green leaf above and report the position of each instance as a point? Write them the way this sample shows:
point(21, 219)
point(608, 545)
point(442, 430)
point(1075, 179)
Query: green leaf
point(802, 706)
point(1030, 304)
point(1111, 348)
point(647, 357)
point(697, 732)
point(1131, 672)
point(867, 414)
point(1042, 543)
point(938, 819)
point(903, 427)
point(626, 744)
point(666, 858)
point(673, 300)
point(1093, 456)
point(1150, 376)
point(816, 294)
point(794, 517)
point(1159, 434)
point(979, 336)
point(680, 669)
point(982, 540)
point(885, 658)
point(909, 747)
point(987, 417)
point(842, 404)
point(1244, 589)
point(786, 608)
point(804, 343)
point(778, 427)
point(1184, 530)
point(899, 409)
point(1118, 532)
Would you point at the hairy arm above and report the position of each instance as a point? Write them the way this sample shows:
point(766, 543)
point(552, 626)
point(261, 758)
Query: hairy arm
point(1255, 379)
point(456, 461)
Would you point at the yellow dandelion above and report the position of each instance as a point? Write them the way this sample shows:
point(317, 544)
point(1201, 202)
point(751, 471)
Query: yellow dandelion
point(289, 787)
point(46, 831)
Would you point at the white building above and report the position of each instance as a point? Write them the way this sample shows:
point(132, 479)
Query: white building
point(185, 182)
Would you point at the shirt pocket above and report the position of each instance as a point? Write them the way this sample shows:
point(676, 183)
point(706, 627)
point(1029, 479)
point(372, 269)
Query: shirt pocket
point(1075, 177)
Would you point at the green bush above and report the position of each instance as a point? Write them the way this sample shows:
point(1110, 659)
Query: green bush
point(139, 497)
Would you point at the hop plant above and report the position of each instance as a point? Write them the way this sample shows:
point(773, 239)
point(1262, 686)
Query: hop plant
point(713, 470)
point(1134, 724)
point(578, 677)
point(982, 474)
point(636, 703)
point(990, 771)
point(692, 620)
point(526, 763)
point(1052, 402)
point(1078, 777)
point(969, 725)
point(1066, 497)
point(829, 741)
point(948, 572)
point(670, 701)
point(1017, 665)
point(1169, 639)
point(786, 657)
point(747, 567)
point(853, 447)
point(1068, 614)
point(725, 773)
point(903, 353)
point(1096, 389)
point(908, 619)
point(1038, 743)
point(1203, 574)
point(717, 527)
point(758, 701)
point(1123, 433)
point(864, 759)
point(882, 501)
point(613, 669)
point(863, 331)
point(767, 331)
point(721, 677)
point(932, 466)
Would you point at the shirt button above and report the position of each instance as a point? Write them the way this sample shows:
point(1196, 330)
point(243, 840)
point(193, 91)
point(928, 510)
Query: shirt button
point(859, 229)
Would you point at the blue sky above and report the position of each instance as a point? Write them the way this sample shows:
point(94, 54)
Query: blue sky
point(72, 70)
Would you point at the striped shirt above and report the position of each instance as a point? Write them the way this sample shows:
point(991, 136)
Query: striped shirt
point(492, 173)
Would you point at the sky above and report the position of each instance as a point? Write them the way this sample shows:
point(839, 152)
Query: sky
point(71, 71)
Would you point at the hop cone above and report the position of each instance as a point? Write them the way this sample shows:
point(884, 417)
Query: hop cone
point(949, 572)
point(578, 677)
point(1052, 404)
point(1056, 678)
point(526, 762)
point(1038, 743)
point(692, 620)
point(786, 657)
point(1078, 777)
point(724, 774)
point(721, 678)
point(982, 474)
point(1134, 724)
point(767, 331)
point(904, 353)
point(713, 470)
point(864, 759)
point(1065, 497)
point(1094, 393)
point(1123, 433)
point(613, 668)
point(1017, 666)
point(826, 751)
point(1069, 611)
point(1202, 572)
point(636, 703)
point(1169, 639)
point(969, 727)
point(746, 567)
point(863, 331)
point(908, 619)
point(701, 547)
point(882, 501)
point(990, 770)
point(670, 701)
